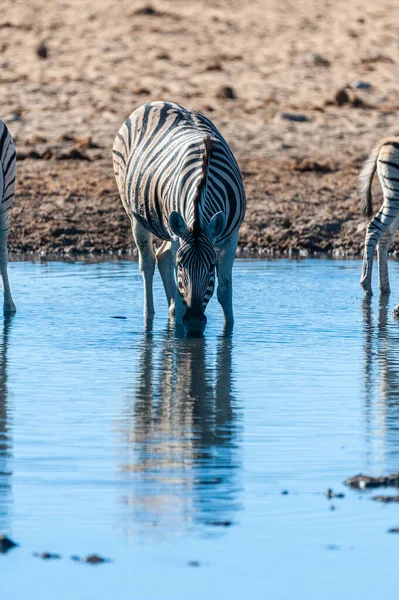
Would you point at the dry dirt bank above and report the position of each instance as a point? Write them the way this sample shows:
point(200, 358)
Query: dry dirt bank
point(72, 70)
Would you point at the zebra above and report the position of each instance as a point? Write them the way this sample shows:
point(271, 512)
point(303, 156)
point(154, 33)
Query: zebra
point(179, 182)
point(7, 186)
point(385, 160)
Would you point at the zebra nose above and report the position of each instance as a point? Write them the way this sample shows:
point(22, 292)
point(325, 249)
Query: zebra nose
point(194, 324)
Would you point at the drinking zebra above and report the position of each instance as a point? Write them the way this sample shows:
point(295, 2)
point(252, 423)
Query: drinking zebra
point(179, 182)
point(385, 160)
point(7, 185)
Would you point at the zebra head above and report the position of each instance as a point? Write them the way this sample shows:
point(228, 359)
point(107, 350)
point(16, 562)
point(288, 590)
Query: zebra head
point(195, 264)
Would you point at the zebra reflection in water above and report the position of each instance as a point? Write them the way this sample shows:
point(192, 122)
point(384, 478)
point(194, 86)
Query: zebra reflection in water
point(5, 442)
point(381, 377)
point(183, 450)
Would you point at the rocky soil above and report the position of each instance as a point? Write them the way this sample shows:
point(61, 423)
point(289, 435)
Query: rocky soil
point(301, 90)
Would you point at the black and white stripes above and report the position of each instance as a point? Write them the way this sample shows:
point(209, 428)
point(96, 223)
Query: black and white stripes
point(179, 181)
point(7, 186)
point(385, 160)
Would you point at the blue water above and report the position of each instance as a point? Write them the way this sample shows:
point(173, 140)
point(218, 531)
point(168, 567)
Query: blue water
point(155, 451)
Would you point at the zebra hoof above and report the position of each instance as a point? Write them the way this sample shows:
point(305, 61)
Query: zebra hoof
point(395, 312)
point(366, 285)
point(385, 289)
point(9, 308)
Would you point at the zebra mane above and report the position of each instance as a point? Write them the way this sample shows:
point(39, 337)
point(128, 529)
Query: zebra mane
point(209, 147)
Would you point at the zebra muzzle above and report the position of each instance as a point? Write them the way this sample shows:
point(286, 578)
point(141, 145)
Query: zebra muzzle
point(193, 322)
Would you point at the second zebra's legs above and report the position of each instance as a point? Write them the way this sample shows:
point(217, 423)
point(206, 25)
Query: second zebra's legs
point(382, 249)
point(375, 230)
point(9, 306)
point(166, 268)
point(226, 255)
point(145, 248)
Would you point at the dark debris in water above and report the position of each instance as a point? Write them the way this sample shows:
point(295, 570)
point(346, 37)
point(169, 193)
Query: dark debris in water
point(333, 547)
point(386, 499)
point(362, 482)
point(93, 559)
point(330, 494)
point(393, 530)
point(194, 563)
point(47, 555)
point(118, 317)
point(6, 544)
point(220, 523)
point(284, 492)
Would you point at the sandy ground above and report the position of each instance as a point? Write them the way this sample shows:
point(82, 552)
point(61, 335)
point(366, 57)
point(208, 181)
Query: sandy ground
point(72, 71)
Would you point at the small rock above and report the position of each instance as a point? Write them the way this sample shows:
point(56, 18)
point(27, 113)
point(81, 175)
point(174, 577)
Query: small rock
point(226, 92)
point(118, 317)
point(361, 85)
point(342, 97)
point(393, 530)
point(386, 499)
point(46, 555)
point(92, 559)
point(73, 154)
point(362, 482)
point(194, 563)
point(219, 523)
point(6, 544)
point(214, 66)
point(284, 492)
point(141, 91)
point(331, 494)
point(147, 10)
point(41, 50)
point(296, 117)
point(317, 59)
point(309, 164)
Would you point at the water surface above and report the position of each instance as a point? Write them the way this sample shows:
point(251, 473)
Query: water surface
point(155, 450)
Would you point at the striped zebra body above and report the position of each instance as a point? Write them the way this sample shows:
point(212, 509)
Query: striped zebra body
point(7, 186)
point(179, 182)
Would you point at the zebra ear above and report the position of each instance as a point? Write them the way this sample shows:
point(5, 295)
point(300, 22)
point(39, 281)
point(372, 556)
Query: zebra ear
point(216, 225)
point(177, 224)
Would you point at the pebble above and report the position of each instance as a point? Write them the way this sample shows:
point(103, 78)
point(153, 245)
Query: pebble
point(226, 92)
point(296, 117)
point(93, 559)
point(6, 544)
point(41, 50)
point(46, 555)
point(361, 85)
point(194, 563)
point(362, 482)
point(317, 59)
point(329, 493)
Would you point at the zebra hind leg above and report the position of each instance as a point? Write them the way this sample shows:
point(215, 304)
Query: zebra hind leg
point(144, 243)
point(226, 255)
point(382, 249)
point(375, 230)
point(166, 268)
point(9, 306)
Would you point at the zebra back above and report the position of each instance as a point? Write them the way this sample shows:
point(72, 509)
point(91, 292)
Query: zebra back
point(159, 157)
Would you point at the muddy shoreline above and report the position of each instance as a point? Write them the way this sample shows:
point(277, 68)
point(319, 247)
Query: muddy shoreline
point(67, 204)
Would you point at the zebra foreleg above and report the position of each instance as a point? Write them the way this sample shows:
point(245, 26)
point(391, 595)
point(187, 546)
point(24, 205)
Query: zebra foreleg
point(9, 306)
point(167, 270)
point(226, 255)
point(145, 248)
